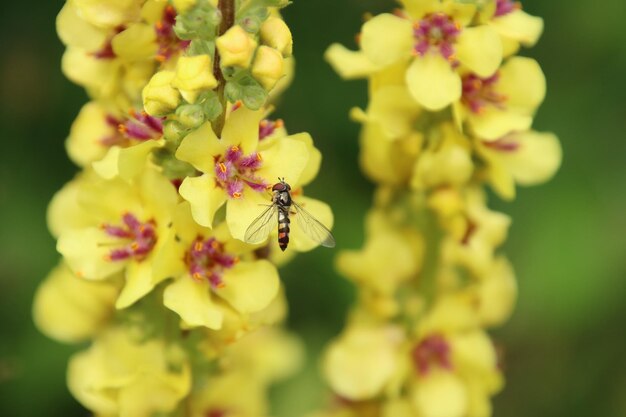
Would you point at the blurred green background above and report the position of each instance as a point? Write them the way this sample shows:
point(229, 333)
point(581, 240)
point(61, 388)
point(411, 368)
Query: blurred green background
point(566, 343)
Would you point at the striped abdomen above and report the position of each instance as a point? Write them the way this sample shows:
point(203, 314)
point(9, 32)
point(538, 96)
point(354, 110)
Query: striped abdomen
point(283, 227)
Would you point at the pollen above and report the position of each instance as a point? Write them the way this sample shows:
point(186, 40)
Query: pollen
point(235, 148)
point(222, 167)
point(236, 194)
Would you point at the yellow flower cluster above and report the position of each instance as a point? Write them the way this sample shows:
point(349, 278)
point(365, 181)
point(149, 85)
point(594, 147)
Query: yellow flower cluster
point(177, 159)
point(450, 111)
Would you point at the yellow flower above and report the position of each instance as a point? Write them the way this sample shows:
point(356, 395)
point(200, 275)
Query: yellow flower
point(474, 234)
point(194, 74)
point(513, 24)
point(446, 161)
point(71, 309)
point(525, 158)
point(159, 96)
point(236, 47)
point(115, 227)
point(390, 257)
point(123, 376)
point(361, 363)
point(503, 102)
point(231, 393)
point(110, 13)
point(434, 40)
point(276, 34)
point(212, 273)
point(268, 67)
point(237, 172)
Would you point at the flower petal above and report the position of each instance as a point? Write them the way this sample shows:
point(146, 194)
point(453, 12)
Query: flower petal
point(69, 309)
point(440, 394)
point(387, 39)
point(199, 147)
point(432, 82)
point(86, 251)
point(520, 26)
point(286, 158)
point(349, 64)
point(83, 144)
point(480, 49)
point(136, 42)
point(315, 158)
point(360, 363)
point(493, 123)
point(64, 213)
point(193, 302)
point(241, 212)
point(523, 83)
point(537, 159)
point(204, 197)
point(139, 282)
point(300, 238)
point(76, 31)
point(242, 129)
point(250, 286)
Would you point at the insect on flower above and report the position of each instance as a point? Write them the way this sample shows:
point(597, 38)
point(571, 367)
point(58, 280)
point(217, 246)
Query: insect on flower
point(280, 208)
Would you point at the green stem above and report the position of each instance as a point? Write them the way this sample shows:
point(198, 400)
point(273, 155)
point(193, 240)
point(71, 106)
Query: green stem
point(227, 9)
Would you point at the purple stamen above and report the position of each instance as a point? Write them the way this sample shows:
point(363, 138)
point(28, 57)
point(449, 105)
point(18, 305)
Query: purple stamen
point(434, 350)
point(436, 31)
point(504, 144)
point(504, 7)
point(234, 170)
point(267, 127)
point(206, 260)
point(138, 239)
point(480, 92)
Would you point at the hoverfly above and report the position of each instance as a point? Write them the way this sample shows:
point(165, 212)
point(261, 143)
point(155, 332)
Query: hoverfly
point(280, 209)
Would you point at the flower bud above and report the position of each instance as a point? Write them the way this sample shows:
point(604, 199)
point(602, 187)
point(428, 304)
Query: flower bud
point(70, 309)
point(190, 115)
point(268, 67)
point(276, 34)
point(159, 97)
point(194, 74)
point(236, 47)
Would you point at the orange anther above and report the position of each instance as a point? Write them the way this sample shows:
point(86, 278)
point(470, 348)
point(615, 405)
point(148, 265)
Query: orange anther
point(263, 123)
point(259, 157)
point(215, 244)
point(221, 285)
point(237, 195)
point(197, 246)
point(122, 128)
point(279, 123)
point(159, 25)
point(222, 167)
point(197, 276)
point(235, 148)
point(134, 246)
point(160, 58)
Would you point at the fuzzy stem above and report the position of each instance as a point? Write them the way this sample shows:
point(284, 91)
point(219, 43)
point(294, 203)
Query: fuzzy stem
point(227, 9)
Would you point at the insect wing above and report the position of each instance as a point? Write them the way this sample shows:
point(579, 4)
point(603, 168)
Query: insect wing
point(260, 228)
point(313, 227)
